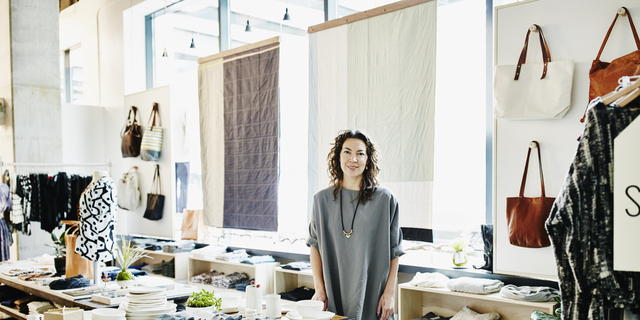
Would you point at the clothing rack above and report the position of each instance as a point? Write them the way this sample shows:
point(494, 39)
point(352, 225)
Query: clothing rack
point(107, 164)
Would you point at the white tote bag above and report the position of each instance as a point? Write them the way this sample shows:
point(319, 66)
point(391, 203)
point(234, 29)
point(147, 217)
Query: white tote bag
point(151, 145)
point(129, 196)
point(520, 93)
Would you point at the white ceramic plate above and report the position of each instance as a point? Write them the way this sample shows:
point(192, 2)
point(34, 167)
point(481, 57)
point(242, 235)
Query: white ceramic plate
point(230, 309)
point(143, 290)
point(324, 315)
point(286, 306)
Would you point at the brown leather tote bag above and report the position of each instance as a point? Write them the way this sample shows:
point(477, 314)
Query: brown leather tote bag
point(131, 135)
point(526, 216)
point(603, 76)
point(76, 264)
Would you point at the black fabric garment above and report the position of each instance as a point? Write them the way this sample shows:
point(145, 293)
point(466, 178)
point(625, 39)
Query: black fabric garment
point(49, 218)
point(63, 192)
point(78, 184)
point(34, 213)
point(23, 184)
point(581, 223)
point(79, 281)
point(297, 294)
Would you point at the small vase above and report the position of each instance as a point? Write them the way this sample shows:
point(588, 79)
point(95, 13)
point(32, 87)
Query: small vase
point(125, 283)
point(460, 258)
point(60, 264)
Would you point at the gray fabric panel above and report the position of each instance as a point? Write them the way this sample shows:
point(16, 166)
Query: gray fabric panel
point(251, 129)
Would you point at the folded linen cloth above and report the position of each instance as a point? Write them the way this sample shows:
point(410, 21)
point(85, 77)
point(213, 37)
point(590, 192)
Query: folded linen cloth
point(259, 259)
point(474, 285)
point(526, 293)
point(468, 314)
point(430, 280)
point(297, 265)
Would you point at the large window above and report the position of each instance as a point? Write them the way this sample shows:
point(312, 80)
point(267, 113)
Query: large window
point(71, 79)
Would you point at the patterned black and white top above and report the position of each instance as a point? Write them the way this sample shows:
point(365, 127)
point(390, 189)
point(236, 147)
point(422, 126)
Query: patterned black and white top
point(98, 214)
point(581, 223)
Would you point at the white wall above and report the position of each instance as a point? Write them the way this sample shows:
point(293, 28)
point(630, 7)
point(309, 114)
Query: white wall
point(574, 30)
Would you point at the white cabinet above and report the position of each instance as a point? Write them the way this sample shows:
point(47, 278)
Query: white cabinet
point(262, 273)
point(414, 302)
point(286, 280)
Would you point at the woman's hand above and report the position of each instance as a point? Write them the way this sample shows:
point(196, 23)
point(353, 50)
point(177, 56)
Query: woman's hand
point(320, 295)
point(385, 306)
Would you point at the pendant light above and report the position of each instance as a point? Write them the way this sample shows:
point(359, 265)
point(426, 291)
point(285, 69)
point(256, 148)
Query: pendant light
point(164, 54)
point(193, 45)
point(248, 27)
point(286, 15)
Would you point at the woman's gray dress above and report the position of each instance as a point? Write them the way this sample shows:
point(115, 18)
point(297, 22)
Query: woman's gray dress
point(355, 270)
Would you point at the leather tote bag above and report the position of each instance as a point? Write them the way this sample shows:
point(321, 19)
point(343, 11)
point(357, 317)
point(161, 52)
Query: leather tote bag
point(155, 199)
point(526, 216)
point(131, 135)
point(603, 76)
point(129, 196)
point(152, 140)
point(193, 227)
point(76, 264)
point(531, 91)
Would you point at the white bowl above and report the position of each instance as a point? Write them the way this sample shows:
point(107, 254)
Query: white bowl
point(107, 314)
point(229, 299)
point(199, 309)
point(309, 309)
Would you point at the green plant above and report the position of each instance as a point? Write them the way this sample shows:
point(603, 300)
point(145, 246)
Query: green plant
point(459, 244)
point(203, 299)
point(58, 245)
point(126, 256)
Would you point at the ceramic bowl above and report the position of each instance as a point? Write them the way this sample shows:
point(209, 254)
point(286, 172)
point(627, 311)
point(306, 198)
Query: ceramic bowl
point(309, 309)
point(107, 314)
point(229, 299)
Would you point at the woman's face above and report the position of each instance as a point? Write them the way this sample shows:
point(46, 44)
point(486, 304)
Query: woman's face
point(353, 157)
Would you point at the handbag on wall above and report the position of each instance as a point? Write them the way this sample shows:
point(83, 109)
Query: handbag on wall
point(131, 135)
point(193, 227)
point(152, 140)
point(526, 216)
point(535, 90)
point(129, 196)
point(155, 199)
point(76, 264)
point(603, 76)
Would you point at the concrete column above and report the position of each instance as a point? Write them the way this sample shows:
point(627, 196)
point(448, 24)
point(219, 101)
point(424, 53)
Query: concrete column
point(30, 50)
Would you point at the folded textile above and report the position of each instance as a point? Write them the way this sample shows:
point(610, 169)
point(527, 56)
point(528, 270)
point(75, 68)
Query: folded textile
point(177, 316)
point(298, 265)
point(153, 247)
point(153, 268)
point(33, 276)
point(112, 274)
point(237, 255)
point(79, 281)
point(297, 294)
point(432, 316)
point(229, 281)
point(429, 280)
point(259, 259)
point(526, 293)
point(468, 314)
point(242, 286)
point(474, 285)
point(39, 306)
point(206, 278)
point(168, 268)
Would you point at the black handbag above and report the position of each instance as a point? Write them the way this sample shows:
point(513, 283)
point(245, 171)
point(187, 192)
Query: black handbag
point(131, 135)
point(155, 200)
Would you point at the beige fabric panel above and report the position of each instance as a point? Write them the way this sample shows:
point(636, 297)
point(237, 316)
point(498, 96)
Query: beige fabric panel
point(211, 100)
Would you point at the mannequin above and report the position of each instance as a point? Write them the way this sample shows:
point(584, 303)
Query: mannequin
point(97, 214)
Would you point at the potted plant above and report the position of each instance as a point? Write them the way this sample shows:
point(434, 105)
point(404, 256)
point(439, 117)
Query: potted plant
point(60, 259)
point(126, 256)
point(203, 300)
point(460, 256)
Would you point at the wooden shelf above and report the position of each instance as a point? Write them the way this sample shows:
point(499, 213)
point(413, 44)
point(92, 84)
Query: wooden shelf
point(181, 262)
point(286, 280)
point(414, 302)
point(262, 273)
point(15, 313)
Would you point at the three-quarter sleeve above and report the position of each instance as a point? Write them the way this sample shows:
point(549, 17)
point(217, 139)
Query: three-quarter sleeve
point(312, 240)
point(395, 234)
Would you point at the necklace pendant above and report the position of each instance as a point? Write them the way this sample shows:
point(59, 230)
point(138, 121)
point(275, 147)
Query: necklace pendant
point(348, 235)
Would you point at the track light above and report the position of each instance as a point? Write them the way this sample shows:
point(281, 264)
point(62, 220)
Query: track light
point(193, 44)
point(164, 54)
point(248, 27)
point(286, 15)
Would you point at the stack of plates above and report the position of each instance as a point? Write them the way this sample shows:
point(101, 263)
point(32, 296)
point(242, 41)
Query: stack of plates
point(147, 303)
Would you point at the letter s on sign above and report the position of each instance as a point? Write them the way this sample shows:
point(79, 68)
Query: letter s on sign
point(637, 205)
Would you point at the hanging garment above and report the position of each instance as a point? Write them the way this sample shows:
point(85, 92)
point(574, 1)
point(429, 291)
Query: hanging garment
point(20, 195)
point(63, 195)
point(98, 214)
point(49, 218)
point(5, 241)
point(581, 223)
point(77, 184)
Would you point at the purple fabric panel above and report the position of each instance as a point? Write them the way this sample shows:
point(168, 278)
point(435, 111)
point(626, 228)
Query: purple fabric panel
point(251, 142)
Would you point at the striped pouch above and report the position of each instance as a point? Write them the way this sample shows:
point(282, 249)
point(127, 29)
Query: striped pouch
point(151, 145)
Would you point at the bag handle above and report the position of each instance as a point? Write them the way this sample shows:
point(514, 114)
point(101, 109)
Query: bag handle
point(153, 114)
point(633, 29)
point(129, 122)
point(536, 145)
point(156, 185)
point(546, 56)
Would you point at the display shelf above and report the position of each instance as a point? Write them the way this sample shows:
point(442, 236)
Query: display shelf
point(286, 280)
point(262, 273)
point(414, 302)
point(14, 313)
point(181, 262)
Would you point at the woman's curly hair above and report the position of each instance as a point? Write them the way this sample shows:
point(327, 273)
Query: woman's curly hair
point(369, 176)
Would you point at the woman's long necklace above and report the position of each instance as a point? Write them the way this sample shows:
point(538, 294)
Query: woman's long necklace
point(348, 235)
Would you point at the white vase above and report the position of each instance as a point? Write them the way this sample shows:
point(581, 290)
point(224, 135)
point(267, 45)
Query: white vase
point(195, 310)
point(125, 283)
